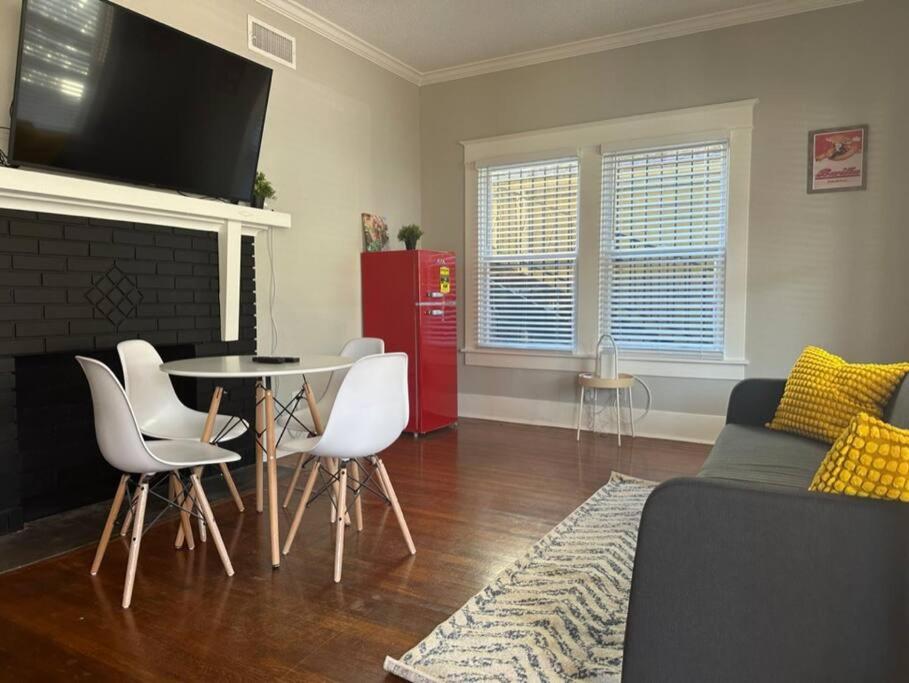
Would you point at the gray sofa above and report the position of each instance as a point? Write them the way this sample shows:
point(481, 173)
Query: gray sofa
point(742, 574)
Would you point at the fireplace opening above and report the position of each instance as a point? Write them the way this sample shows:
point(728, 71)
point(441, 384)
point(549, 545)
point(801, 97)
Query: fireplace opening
point(61, 466)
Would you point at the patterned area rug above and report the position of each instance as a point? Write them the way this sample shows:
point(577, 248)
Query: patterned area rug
point(556, 614)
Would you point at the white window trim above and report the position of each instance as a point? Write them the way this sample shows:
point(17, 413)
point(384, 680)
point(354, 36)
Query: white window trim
point(649, 366)
point(732, 121)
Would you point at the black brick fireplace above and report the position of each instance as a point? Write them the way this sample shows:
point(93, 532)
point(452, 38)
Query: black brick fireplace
point(79, 286)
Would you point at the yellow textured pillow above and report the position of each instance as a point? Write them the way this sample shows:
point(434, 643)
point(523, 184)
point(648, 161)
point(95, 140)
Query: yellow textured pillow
point(870, 459)
point(824, 392)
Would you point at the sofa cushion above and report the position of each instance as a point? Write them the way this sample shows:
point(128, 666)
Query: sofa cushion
point(760, 455)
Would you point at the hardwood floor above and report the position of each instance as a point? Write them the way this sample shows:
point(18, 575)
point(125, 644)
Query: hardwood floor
point(475, 498)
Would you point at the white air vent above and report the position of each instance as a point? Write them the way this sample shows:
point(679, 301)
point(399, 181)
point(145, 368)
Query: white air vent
point(269, 41)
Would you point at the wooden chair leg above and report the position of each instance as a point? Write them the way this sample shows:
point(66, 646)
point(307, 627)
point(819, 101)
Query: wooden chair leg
point(212, 524)
point(185, 508)
point(201, 521)
point(138, 524)
point(313, 409)
point(293, 480)
point(340, 527)
point(331, 464)
point(128, 519)
point(109, 524)
point(358, 503)
point(208, 430)
point(209, 427)
point(193, 504)
point(332, 468)
point(301, 508)
point(379, 479)
point(390, 492)
point(181, 531)
point(260, 452)
point(231, 486)
point(207, 436)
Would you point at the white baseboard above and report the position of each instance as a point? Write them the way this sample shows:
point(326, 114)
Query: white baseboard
point(659, 424)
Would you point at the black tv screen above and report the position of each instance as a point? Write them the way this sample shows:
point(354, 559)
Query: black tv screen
point(103, 91)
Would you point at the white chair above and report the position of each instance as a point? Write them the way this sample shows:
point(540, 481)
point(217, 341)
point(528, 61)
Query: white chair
point(152, 462)
point(161, 414)
point(369, 414)
point(353, 348)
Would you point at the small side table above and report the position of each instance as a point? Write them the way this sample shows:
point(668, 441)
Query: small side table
point(621, 384)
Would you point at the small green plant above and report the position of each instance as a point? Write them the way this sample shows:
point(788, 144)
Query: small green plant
point(409, 234)
point(263, 189)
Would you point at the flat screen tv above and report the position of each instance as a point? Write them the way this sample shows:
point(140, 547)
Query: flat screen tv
point(105, 92)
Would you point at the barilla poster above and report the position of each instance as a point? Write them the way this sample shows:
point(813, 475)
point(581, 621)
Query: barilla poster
point(837, 159)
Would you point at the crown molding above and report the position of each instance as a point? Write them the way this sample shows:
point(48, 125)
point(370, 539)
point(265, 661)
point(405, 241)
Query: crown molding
point(773, 9)
point(673, 29)
point(327, 29)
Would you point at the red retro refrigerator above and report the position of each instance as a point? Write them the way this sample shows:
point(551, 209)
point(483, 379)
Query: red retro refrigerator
point(409, 301)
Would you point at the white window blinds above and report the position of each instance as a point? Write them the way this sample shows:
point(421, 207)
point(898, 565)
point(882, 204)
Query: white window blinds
point(527, 252)
point(663, 248)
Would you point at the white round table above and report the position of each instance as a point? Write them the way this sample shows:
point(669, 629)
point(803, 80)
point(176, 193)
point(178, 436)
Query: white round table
point(237, 367)
point(244, 367)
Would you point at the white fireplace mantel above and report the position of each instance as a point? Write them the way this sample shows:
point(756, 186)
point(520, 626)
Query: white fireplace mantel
point(68, 196)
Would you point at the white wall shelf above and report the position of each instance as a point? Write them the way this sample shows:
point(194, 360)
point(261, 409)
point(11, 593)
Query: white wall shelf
point(69, 196)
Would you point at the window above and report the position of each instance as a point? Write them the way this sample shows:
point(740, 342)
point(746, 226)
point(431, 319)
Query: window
point(637, 226)
point(663, 248)
point(527, 247)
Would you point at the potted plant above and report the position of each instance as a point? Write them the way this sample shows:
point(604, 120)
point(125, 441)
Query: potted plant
point(262, 190)
point(409, 234)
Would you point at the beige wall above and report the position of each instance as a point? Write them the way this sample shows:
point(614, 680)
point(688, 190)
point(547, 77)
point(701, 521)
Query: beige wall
point(341, 137)
point(823, 269)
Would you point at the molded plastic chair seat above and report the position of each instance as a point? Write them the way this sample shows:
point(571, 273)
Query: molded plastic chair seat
point(302, 415)
point(188, 424)
point(369, 414)
point(354, 348)
point(189, 454)
point(161, 415)
point(122, 445)
point(158, 410)
point(297, 442)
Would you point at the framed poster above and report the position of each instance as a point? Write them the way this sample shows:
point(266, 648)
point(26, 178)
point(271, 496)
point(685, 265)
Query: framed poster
point(375, 232)
point(837, 159)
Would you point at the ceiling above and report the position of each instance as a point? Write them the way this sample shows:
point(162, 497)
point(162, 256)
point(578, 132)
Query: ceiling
point(433, 40)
